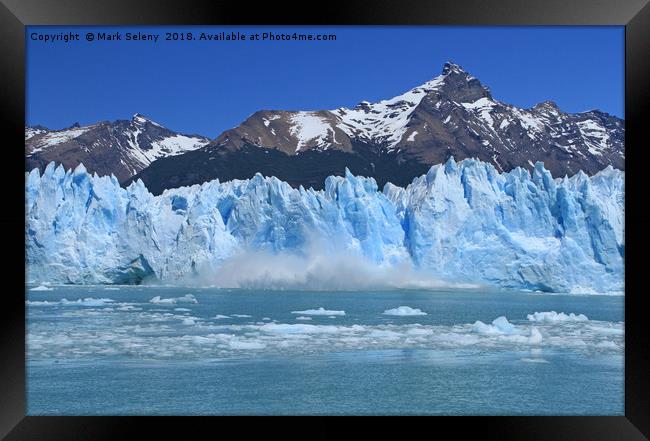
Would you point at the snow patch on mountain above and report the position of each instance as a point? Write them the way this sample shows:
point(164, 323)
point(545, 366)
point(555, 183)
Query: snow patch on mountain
point(170, 146)
point(30, 132)
point(309, 128)
point(57, 137)
point(385, 120)
point(595, 136)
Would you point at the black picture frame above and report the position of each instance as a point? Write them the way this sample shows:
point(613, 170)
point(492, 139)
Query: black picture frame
point(16, 14)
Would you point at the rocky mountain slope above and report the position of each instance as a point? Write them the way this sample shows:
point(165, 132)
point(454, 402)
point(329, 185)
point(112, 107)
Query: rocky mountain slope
point(122, 148)
point(395, 140)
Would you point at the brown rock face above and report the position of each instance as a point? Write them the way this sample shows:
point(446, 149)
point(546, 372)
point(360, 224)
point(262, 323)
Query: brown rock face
point(121, 148)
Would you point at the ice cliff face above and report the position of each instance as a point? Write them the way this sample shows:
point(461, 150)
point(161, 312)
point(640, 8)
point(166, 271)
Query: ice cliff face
point(461, 222)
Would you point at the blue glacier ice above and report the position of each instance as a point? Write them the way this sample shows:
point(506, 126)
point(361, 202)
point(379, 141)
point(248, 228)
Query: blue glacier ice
point(461, 223)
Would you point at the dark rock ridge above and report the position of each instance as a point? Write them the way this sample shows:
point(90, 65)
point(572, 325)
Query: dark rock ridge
point(122, 148)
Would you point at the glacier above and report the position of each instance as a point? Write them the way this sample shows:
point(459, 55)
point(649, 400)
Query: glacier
point(461, 222)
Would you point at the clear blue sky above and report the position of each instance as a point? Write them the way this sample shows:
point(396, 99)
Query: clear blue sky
point(206, 87)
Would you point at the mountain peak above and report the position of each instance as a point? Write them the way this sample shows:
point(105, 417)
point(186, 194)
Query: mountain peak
point(548, 104)
point(452, 68)
point(460, 86)
point(139, 118)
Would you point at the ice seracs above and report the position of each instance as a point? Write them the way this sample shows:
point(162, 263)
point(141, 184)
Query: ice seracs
point(464, 222)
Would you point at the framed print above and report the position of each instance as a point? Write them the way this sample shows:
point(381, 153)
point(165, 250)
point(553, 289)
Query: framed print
point(380, 211)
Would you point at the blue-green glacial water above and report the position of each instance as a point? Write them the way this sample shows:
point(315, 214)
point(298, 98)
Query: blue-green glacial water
point(189, 351)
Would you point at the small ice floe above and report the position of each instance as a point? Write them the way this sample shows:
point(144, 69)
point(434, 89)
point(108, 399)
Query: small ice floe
point(221, 316)
point(89, 301)
point(41, 288)
point(243, 344)
point(500, 325)
point(554, 317)
point(404, 311)
point(40, 303)
point(242, 315)
point(188, 298)
point(319, 311)
point(534, 360)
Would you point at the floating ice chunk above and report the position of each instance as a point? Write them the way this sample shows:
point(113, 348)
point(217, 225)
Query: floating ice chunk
point(86, 302)
point(535, 337)
point(221, 316)
point(283, 328)
point(166, 333)
point(319, 311)
point(419, 331)
point(384, 333)
point(203, 340)
point(500, 325)
point(40, 303)
point(242, 315)
point(41, 288)
point(188, 298)
point(503, 325)
point(607, 330)
point(243, 344)
point(404, 311)
point(534, 360)
point(552, 317)
point(182, 309)
point(128, 308)
point(608, 345)
point(159, 301)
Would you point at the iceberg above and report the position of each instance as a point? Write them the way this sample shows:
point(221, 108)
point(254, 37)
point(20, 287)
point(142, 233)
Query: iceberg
point(404, 311)
point(461, 222)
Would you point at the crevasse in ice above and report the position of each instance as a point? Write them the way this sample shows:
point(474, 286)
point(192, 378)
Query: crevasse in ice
point(460, 222)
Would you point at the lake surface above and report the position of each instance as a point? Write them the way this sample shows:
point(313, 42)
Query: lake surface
point(189, 351)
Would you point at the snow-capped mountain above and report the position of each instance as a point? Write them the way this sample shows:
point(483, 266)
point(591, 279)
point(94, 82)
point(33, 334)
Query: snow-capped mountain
point(121, 148)
point(460, 222)
point(398, 139)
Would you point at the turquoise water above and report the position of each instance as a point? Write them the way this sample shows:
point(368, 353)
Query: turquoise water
point(188, 351)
